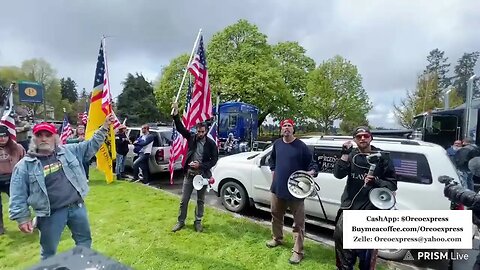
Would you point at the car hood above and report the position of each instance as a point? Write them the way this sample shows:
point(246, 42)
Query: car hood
point(240, 157)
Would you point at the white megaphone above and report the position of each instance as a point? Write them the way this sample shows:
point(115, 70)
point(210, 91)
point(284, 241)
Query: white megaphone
point(382, 198)
point(199, 182)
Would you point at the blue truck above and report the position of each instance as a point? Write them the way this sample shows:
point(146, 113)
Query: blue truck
point(240, 119)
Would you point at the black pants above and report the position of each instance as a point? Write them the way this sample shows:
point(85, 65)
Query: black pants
point(5, 188)
point(346, 258)
point(142, 162)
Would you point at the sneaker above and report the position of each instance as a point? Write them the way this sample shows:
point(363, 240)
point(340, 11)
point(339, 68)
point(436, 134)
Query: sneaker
point(273, 243)
point(198, 226)
point(178, 227)
point(296, 258)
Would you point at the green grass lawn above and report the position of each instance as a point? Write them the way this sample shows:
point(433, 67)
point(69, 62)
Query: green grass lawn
point(131, 223)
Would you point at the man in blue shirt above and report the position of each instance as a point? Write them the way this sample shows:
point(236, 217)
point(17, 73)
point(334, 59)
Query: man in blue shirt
point(289, 154)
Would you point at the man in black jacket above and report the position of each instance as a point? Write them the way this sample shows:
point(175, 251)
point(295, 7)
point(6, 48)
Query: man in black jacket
point(353, 164)
point(201, 157)
point(121, 143)
point(461, 159)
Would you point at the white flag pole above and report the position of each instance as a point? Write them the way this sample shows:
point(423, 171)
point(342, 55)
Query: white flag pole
point(188, 64)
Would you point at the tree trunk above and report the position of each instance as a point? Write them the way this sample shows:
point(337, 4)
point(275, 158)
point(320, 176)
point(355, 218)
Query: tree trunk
point(262, 118)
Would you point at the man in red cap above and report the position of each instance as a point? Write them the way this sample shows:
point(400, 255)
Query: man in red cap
point(10, 153)
point(353, 164)
point(51, 179)
point(289, 154)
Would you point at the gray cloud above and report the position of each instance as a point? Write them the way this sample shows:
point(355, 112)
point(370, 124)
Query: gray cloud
point(388, 41)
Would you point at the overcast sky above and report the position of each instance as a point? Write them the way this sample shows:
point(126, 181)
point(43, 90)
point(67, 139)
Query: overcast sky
point(387, 40)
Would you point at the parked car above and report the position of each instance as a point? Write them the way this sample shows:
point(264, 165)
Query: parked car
point(244, 179)
point(160, 156)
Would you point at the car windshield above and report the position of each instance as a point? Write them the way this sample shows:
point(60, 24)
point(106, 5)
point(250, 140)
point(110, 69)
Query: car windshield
point(418, 122)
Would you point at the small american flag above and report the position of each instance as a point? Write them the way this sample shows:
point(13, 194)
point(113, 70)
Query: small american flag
point(201, 98)
point(212, 133)
point(405, 167)
point(175, 151)
point(66, 130)
point(116, 122)
point(85, 118)
point(8, 120)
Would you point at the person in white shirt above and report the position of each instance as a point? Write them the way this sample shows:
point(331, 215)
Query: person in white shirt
point(146, 142)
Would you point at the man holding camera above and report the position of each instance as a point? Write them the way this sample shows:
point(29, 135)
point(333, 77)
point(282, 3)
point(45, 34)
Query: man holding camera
point(201, 157)
point(354, 164)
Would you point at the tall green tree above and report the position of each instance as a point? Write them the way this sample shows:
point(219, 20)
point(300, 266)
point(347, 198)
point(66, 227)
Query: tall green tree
point(68, 89)
point(243, 68)
point(463, 71)
point(335, 92)
point(422, 99)
point(167, 84)
point(41, 71)
point(294, 66)
point(137, 101)
point(438, 64)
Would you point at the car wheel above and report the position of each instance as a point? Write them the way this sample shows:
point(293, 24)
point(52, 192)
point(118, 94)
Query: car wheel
point(234, 196)
point(392, 254)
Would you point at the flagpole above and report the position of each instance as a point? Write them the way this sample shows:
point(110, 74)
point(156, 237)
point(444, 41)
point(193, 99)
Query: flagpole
point(106, 74)
point(188, 64)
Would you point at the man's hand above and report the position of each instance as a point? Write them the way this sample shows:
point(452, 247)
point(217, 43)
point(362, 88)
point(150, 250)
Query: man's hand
point(26, 227)
point(108, 121)
point(195, 165)
point(369, 179)
point(175, 108)
point(347, 148)
point(312, 173)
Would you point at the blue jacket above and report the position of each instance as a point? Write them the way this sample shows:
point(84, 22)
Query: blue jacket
point(27, 187)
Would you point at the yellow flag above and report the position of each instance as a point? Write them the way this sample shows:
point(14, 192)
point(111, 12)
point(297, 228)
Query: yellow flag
point(96, 118)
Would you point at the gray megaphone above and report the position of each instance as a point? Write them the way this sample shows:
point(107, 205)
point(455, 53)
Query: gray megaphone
point(382, 198)
point(199, 182)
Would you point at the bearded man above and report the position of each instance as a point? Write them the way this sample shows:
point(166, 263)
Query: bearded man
point(51, 179)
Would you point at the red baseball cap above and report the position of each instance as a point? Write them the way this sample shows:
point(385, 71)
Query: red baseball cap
point(44, 127)
point(285, 121)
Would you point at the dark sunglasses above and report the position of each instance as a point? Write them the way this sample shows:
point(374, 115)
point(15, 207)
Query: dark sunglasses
point(360, 136)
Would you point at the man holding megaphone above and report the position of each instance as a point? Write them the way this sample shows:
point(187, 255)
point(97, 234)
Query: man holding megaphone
point(366, 167)
point(201, 157)
point(289, 155)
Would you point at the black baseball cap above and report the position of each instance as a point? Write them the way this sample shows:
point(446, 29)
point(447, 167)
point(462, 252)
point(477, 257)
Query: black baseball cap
point(4, 131)
point(361, 129)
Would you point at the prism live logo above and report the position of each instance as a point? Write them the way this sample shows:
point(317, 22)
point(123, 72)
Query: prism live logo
point(408, 256)
point(436, 256)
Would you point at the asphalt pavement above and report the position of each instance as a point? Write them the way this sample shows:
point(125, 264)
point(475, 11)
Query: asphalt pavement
point(316, 233)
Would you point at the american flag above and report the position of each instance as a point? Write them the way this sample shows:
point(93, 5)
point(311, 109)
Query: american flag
point(66, 130)
point(106, 95)
point(175, 151)
point(85, 114)
point(201, 98)
point(405, 167)
point(8, 120)
point(116, 122)
point(212, 133)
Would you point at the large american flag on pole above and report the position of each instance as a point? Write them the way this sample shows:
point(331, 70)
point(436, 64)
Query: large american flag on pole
point(201, 99)
point(66, 130)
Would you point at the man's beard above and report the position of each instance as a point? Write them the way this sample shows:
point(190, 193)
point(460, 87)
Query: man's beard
point(45, 147)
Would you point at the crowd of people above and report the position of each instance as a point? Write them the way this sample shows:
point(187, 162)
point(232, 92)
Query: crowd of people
point(51, 178)
point(465, 155)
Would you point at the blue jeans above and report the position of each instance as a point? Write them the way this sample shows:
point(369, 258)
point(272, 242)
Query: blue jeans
point(466, 179)
point(51, 229)
point(120, 164)
point(141, 162)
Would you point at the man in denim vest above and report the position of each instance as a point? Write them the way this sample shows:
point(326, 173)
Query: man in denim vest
point(51, 179)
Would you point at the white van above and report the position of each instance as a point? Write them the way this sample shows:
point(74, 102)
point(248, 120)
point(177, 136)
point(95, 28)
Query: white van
point(244, 179)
